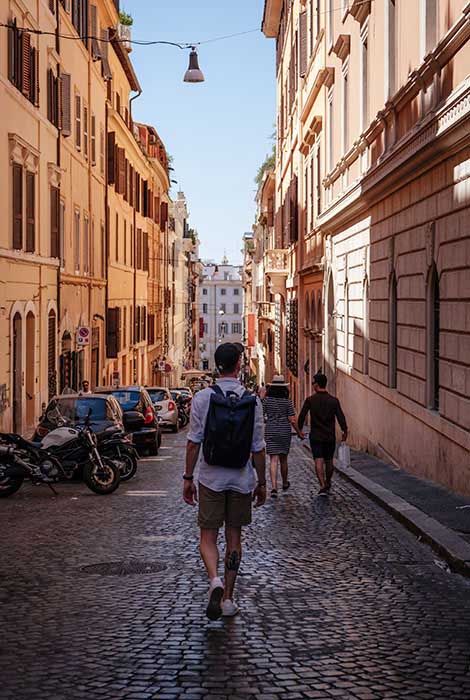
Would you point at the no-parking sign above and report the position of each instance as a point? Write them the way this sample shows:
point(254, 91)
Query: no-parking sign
point(83, 335)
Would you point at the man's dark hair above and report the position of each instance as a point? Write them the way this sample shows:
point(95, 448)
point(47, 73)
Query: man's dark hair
point(321, 380)
point(226, 357)
point(277, 392)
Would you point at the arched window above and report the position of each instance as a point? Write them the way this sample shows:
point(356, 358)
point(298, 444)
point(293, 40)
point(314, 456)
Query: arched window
point(365, 325)
point(392, 333)
point(433, 304)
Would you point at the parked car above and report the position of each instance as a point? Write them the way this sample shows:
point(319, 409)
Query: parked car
point(182, 390)
point(106, 414)
point(165, 406)
point(139, 416)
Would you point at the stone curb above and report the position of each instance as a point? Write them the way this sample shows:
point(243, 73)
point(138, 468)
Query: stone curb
point(452, 548)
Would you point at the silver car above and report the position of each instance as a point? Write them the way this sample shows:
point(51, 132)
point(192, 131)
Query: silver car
point(164, 406)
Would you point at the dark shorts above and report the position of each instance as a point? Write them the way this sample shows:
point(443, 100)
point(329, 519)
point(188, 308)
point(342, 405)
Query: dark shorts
point(219, 507)
point(323, 449)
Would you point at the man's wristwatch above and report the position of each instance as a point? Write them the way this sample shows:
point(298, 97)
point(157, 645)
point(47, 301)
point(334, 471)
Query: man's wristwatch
point(186, 477)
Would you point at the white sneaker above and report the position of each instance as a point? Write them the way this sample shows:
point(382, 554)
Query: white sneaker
point(229, 608)
point(216, 593)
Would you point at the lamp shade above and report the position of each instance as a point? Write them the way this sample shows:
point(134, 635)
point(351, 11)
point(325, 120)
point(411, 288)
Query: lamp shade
point(194, 74)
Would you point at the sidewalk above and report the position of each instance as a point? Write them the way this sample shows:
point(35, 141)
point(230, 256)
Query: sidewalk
point(437, 515)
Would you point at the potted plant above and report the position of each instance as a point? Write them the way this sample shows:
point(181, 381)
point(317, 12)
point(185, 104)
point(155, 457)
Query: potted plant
point(125, 19)
point(124, 29)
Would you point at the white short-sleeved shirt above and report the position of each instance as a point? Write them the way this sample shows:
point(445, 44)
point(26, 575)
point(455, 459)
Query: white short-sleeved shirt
point(224, 478)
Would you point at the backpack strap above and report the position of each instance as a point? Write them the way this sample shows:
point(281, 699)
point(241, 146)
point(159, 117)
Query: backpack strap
point(216, 388)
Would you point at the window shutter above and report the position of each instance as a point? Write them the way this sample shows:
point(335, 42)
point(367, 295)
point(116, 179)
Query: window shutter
point(137, 192)
point(303, 48)
point(270, 220)
point(17, 206)
point(34, 89)
point(145, 193)
point(156, 209)
point(112, 329)
point(50, 77)
point(164, 214)
point(52, 6)
point(65, 103)
point(122, 170)
point(78, 122)
point(93, 139)
point(150, 204)
point(12, 48)
point(146, 252)
point(126, 180)
point(107, 74)
point(55, 238)
point(95, 44)
point(131, 185)
point(138, 262)
point(30, 212)
point(111, 157)
point(85, 131)
point(137, 325)
point(26, 67)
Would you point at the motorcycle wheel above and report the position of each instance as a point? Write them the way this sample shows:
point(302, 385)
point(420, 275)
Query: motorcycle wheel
point(127, 466)
point(9, 486)
point(104, 480)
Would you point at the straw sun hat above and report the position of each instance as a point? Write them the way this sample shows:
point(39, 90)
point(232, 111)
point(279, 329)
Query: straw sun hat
point(278, 380)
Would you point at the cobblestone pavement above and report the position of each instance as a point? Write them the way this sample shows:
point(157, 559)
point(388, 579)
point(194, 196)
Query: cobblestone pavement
point(338, 600)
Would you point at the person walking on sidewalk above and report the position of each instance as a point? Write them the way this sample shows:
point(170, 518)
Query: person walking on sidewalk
point(324, 409)
point(227, 421)
point(280, 418)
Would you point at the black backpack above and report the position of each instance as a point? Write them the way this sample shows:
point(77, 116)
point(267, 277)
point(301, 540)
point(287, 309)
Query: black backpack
point(229, 428)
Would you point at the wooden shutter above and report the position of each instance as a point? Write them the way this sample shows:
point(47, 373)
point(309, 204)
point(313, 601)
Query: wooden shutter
point(30, 212)
point(151, 328)
point(126, 180)
point(50, 77)
point(131, 185)
point(12, 49)
point(111, 156)
point(52, 6)
point(122, 170)
point(137, 192)
point(156, 210)
point(270, 217)
point(106, 68)
point(146, 252)
point(93, 139)
point(112, 332)
point(26, 64)
point(65, 103)
point(55, 235)
point(137, 325)
point(303, 47)
point(17, 206)
point(145, 193)
point(34, 87)
point(138, 262)
point(85, 131)
point(164, 214)
point(78, 122)
point(95, 44)
point(150, 204)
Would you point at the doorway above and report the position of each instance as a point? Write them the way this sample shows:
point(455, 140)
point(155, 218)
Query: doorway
point(331, 338)
point(17, 373)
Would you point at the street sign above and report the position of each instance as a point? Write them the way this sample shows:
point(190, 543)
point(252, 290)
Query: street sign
point(83, 335)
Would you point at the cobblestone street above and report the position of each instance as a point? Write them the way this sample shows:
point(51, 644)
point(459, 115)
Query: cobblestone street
point(337, 599)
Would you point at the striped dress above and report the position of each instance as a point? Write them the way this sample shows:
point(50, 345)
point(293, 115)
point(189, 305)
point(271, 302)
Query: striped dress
point(278, 429)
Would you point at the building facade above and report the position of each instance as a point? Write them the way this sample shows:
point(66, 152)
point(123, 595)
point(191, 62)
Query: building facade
point(220, 309)
point(372, 195)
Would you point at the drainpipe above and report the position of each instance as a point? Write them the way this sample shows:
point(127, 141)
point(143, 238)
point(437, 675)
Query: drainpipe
point(134, 351)
point(106, 232)
point(58, 160)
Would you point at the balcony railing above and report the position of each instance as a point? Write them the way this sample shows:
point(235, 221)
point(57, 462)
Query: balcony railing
point(275, 262)
point(266, 310)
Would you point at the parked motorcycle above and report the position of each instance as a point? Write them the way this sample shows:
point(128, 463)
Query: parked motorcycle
point(59, 455)
point(118, 447)
point(183, 412)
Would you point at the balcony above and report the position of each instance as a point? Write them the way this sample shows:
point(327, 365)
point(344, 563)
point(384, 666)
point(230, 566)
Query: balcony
point(275, 262)
point(266, 311)
point(124, 36)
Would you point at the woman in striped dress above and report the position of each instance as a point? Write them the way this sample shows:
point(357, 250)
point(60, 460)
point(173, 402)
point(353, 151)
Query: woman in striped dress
point(280, 418)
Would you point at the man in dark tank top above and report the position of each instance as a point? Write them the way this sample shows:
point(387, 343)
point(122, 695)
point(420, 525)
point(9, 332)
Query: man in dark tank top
point(324, 411)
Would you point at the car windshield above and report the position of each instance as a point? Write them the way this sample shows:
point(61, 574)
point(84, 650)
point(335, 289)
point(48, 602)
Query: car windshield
point(127, 398)
point(75, 409)
point(158, 395)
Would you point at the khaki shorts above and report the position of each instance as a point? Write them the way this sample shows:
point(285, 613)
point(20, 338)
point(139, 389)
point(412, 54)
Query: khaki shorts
point(219, 507)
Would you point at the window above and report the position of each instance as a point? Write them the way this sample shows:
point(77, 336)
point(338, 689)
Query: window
point(433, 310)
point(23, 209)
point(318, 183)
point(364, 82)
point(236, 328)
point(345, 110)
point(65, 103)
point(85, 131)
point(330, 131)
point(124, 327)
point(223, 328)
point(55, 222)
point(86, 244)
point(389, 48)
point(52, 98)
point(76, 240)
point(205, 328)
point(93, 139)
point(30, 212)
point(204, 308)
point(236, 308)
point(102, 151)
point(23, 63)
point(116, 239)
point(103, 251)
point(236, 292)
point(428, 26)
point(204, 292)
point(226, 276)
point(93, 261)
point(62, 232)
point(223, 307)
point(346, 322)
point(78, 122)
point(223, 291)
point(365, 335)
point(392, 333)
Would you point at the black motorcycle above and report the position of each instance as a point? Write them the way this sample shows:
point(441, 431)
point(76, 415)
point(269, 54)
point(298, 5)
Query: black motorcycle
point(183, 411)
point(59, 456)
point(117, 446)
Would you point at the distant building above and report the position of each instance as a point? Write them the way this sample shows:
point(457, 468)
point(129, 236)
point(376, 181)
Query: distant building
point(220, 309)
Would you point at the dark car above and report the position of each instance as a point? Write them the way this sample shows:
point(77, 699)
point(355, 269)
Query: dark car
point(139, 416)
point(104, 413)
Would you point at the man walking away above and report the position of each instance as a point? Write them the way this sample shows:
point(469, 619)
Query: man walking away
point(323, 409)
point(228, 422)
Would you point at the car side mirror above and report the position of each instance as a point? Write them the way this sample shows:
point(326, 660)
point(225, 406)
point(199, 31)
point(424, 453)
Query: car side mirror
point(133, 420)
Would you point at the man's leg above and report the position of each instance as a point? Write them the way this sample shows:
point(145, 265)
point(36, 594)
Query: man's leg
point(320, 470)
point(329, 468)
point(209, 551)
point(233, 557)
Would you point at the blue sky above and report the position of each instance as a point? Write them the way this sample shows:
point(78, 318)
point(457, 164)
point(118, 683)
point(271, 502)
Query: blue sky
point(217, 131)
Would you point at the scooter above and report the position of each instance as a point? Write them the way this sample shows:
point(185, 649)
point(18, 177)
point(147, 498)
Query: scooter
point(118, 447)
